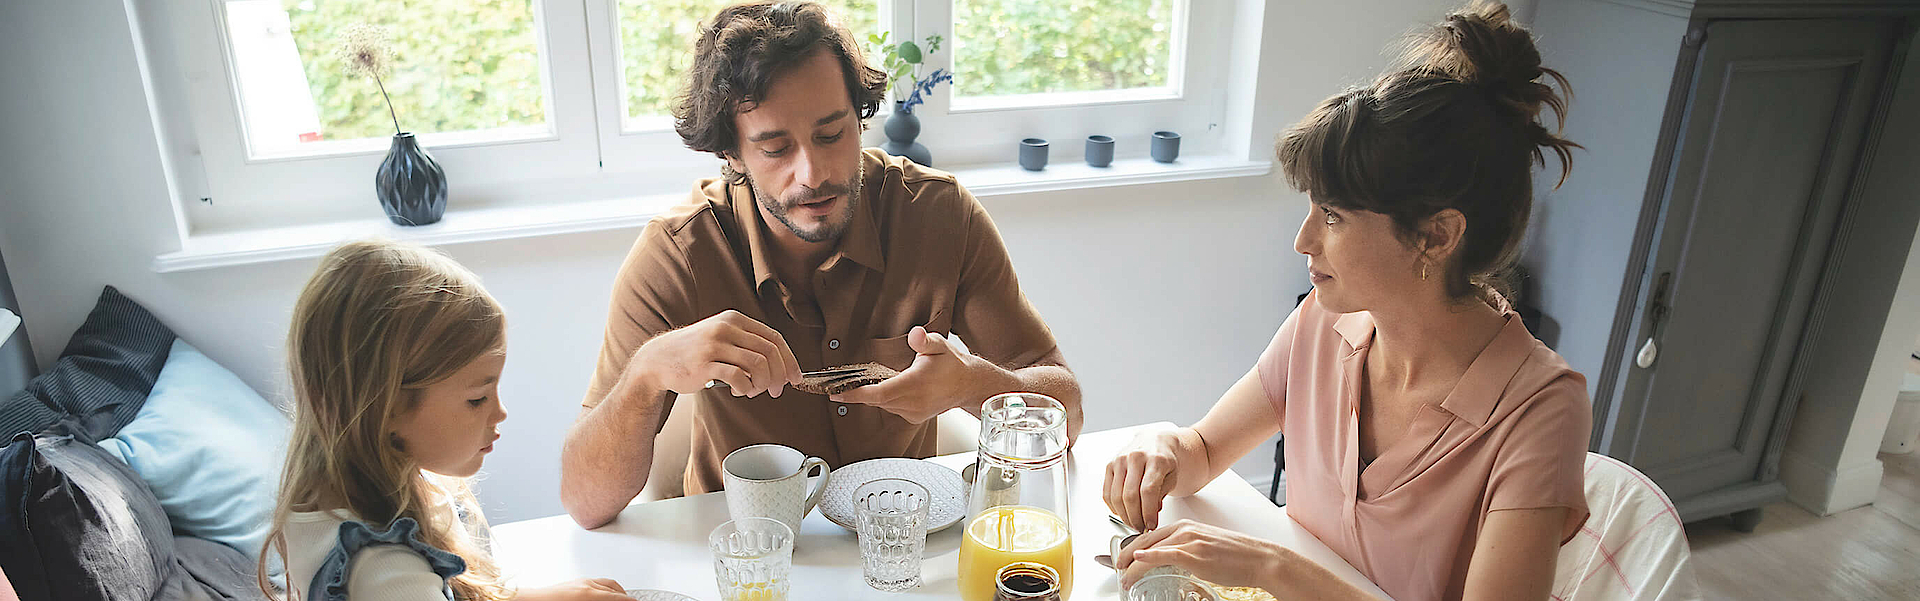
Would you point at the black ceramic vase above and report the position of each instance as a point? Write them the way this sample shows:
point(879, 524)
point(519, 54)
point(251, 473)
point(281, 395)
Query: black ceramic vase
point(901, 128)
point(412, 188)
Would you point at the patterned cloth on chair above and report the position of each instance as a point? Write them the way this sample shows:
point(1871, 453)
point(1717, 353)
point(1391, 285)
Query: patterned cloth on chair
point(1632, 548)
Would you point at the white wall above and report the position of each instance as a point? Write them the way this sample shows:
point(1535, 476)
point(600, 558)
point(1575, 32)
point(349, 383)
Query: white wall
point(1190, 279)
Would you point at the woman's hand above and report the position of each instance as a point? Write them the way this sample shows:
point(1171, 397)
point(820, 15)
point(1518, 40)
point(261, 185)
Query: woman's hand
point(584, 589)
point(1211, 553)
point(1177, 462)
point(1229, 558)
point(1140, 477)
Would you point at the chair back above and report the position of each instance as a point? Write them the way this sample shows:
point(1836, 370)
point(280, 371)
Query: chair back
point(1633, 546)
point(666, 479)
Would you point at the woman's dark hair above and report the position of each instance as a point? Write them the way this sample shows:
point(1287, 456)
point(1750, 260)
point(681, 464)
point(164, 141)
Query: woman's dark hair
point(1453, 125)
point(740, 53)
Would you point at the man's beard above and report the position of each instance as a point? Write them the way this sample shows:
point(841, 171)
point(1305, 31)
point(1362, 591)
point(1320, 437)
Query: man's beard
point(848, 191)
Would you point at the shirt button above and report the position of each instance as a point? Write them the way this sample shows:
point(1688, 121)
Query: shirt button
point(843, 410)
point(833, 344)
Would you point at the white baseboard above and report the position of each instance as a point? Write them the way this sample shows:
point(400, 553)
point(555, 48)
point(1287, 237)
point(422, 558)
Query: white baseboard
point(1825, 491)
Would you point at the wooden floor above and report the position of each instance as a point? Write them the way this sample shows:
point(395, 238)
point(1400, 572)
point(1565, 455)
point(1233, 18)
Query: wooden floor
point(1868, 553)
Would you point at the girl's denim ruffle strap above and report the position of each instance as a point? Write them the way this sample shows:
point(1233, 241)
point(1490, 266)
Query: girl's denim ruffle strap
point(330, 581)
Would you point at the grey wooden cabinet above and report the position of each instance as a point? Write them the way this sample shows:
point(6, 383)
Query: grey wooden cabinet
point(1751, 135)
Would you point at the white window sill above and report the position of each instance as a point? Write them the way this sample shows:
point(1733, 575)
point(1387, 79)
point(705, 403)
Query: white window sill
point(225, 249)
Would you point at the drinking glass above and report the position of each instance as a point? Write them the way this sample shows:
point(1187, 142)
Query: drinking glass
point(893, 532)
point(752, 559)
point(1171, 587)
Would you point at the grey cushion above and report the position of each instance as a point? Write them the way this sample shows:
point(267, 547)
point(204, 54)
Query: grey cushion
point(75, 523)
point(210, 571)
point(102, 377)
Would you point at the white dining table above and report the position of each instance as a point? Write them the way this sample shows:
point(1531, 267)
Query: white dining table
point(663, 544)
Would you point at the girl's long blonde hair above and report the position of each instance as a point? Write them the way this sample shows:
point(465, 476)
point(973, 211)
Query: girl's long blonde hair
point(378, 322)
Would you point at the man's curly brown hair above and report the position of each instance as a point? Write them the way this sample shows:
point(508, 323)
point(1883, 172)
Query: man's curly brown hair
point(740, 53)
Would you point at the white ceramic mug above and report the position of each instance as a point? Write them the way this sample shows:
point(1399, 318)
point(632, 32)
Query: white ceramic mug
point(770, 481)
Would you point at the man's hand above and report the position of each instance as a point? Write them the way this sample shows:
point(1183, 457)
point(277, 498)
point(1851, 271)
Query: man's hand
point(943, 376)
point(730, 347)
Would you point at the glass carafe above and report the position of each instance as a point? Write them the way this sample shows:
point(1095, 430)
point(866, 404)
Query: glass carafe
point(1017, 507)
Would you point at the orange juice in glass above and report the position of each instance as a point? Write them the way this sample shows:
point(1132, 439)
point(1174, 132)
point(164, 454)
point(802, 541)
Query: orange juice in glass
point(1008, 534)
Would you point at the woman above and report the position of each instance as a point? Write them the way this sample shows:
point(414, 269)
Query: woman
point(1431, 440)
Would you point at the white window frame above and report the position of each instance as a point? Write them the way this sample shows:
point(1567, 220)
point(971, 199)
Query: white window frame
point(987, 130)
point(248, 192)
point(588, 156)
point(655, 149)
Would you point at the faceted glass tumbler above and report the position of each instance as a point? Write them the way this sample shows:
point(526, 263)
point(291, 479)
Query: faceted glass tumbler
point(1171, 587)
point(752, 559)
point(893, 532)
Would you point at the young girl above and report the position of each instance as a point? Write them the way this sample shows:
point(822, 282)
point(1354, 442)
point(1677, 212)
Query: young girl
point(1430, 439)
point(395, 355)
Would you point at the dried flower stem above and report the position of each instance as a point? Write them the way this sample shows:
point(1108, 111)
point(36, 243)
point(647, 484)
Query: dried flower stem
point(390, 112)
point(364, 50)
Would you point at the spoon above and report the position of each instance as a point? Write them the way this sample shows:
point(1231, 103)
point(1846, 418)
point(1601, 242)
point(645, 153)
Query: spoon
point(1119, 542)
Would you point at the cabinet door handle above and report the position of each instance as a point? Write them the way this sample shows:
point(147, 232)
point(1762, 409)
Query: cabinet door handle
point(1657, 315)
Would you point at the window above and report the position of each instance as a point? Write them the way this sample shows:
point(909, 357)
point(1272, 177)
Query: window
point(520, 108)
point(653, 42)
point(1065, 69)
point(656, 47)
point(466, 66)
point(1020, 48)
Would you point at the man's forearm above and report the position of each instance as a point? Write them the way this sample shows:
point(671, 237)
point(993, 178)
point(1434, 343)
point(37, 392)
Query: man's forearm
point(608, 453)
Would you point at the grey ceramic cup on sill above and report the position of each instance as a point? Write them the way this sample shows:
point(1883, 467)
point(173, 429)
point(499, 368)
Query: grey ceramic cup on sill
point(1166, 146)
point(1033, 154)
point(1099, 151)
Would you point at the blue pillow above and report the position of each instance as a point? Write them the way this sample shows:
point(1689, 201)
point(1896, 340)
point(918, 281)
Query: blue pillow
point(210, 448)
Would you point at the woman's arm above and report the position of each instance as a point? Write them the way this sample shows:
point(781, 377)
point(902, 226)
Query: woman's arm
point(1513, 559)
point(1515, 555)
point(1237, 424)
point(1181, 461)
point(1229, 558)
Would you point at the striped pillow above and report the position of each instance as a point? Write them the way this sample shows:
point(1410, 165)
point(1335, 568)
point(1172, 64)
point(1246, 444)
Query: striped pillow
point(102, 377)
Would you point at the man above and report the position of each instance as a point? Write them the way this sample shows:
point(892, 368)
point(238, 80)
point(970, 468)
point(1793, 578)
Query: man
point(809, 253)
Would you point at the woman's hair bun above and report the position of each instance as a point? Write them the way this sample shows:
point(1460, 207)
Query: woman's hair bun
point(1481, 45)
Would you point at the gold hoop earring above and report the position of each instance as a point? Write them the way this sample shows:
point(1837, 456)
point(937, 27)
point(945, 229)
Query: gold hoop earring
point(1423, 272)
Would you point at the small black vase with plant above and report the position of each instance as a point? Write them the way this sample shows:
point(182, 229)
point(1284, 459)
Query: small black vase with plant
point(902, 61)
point(410, 184)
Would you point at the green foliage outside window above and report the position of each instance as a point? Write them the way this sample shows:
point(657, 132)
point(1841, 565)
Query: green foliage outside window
point(472, 64)
point(1003, 47)
point(457, 65)
point(656, 44)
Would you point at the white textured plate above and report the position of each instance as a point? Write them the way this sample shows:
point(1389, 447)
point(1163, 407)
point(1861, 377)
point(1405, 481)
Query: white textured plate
point(647, 594)
point(949, 493)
